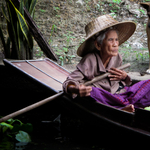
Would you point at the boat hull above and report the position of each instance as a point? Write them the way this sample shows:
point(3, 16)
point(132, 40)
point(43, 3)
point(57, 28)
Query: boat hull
point(107, 120)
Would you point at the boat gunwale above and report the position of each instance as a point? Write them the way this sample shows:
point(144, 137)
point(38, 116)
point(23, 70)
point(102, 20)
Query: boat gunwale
point(133, 129)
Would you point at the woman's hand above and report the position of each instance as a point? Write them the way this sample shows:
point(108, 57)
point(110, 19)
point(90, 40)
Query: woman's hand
point(81, 90)
point(117, 74)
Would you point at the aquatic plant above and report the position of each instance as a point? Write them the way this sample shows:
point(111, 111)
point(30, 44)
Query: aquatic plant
point(14, 129)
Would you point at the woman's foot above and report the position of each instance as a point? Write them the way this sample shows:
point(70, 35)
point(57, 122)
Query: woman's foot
point(129, 108)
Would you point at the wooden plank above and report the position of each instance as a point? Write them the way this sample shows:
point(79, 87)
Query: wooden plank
point(41, 77)
point(51, 69)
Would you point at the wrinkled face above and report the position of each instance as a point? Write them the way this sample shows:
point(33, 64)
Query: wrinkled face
point(110, 44)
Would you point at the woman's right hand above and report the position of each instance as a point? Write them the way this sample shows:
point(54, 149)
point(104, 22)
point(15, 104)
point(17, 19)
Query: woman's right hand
point(81, 90)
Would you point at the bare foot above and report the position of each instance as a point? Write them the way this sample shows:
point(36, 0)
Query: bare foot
point(129, 108)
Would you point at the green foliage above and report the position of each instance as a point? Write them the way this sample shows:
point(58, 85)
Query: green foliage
point(6, 144)
point(42, 10)
point(15, 129)
point(4, 126)
point(116, 1)
point(68, 37)
point(129, 54)
point(54, 28)
point(143, 11)
point(64, 54)
point(56, 9)
point(19, 44)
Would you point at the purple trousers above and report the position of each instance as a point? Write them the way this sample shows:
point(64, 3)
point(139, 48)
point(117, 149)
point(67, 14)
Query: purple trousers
point(137, 94)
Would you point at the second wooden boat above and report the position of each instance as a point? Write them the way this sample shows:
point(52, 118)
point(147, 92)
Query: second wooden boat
point(49, 75)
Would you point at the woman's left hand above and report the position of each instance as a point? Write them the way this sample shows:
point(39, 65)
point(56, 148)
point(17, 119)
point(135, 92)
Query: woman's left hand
point(117, 74)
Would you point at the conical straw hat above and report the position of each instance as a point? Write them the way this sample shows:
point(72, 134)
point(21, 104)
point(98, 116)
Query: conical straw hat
point(125, 30)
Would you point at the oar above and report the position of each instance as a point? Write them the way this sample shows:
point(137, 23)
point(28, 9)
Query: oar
point(28, 108)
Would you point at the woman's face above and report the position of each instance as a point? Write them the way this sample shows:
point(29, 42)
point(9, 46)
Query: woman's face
point(110, 44)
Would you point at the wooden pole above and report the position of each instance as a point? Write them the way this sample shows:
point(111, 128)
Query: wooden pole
point(106, 74)
point(28, 108)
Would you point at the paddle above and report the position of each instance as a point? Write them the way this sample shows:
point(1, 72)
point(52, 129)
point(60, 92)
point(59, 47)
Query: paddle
point(28, 108)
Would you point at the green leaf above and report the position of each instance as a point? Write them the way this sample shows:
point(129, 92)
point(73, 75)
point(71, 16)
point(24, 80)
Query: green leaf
point(16, 128)
point(23, 137)
point(21, 38)
point(21, 7)
point(24, 27)
point(12, 27)
point(73, 56)
point(16, 120)
point(26, 4)
point(27, 127)
point(61, 57)
point(42, 10)
point(65, 49)
point(25, 30)
point(10, 121)
point(10, 30)
point(32, 6)
point(29, 3)
point(4, 12)
point(5, 126)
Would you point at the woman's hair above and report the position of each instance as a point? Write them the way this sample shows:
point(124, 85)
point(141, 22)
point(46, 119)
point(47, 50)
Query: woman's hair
point(99, 37)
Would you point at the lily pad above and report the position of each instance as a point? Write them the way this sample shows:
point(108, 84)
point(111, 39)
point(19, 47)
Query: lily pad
point(23, 137)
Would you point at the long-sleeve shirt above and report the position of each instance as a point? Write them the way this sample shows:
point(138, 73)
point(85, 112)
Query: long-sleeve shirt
point(91, 66)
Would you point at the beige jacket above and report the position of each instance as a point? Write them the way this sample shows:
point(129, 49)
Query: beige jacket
point(91, 66)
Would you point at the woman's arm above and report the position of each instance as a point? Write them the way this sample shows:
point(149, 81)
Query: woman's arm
point(74, 85)
point(84, 72)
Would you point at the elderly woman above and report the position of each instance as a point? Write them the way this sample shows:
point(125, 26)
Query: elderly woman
point(100, 55)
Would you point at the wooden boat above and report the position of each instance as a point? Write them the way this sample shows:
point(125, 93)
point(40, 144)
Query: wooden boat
point(49, 75)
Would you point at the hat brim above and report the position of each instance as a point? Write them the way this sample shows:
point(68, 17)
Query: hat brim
point(125, 29)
